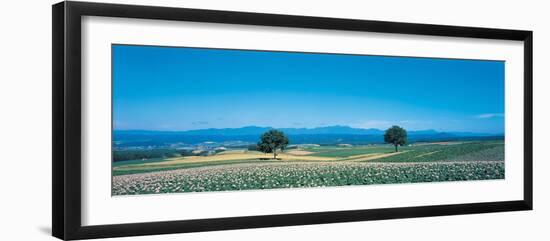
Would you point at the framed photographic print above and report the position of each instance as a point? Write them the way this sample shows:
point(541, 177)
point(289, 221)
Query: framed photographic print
point(169, 120)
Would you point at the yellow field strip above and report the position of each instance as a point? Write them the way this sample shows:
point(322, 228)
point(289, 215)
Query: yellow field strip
point(426, 154)
point(234, 156)
point(299, 152)
point(372, 156)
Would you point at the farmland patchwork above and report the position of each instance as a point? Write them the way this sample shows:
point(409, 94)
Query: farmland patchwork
point(317, 166)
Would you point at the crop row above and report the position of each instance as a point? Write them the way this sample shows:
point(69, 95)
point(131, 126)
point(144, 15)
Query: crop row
point(432, 153)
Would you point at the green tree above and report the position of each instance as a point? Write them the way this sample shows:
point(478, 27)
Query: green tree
point(396, 136)
point(271, 141)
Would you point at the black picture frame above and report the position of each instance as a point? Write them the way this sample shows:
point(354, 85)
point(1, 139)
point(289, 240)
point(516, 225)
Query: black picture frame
point(66, 58)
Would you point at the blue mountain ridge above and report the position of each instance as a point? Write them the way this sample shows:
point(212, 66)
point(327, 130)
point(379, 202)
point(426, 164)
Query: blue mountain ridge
point(250, 134)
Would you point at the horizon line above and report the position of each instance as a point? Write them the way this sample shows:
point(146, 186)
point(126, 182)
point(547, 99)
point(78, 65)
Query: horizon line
point(309, 128)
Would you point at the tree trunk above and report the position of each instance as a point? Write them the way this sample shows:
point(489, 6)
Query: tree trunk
point(396, 148)
point(274, 154)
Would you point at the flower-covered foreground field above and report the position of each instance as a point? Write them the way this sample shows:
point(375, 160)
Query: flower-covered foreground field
point(292, 175)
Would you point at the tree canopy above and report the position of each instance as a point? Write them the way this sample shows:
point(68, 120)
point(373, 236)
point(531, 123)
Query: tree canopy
point(271, 141)
point(396, 136)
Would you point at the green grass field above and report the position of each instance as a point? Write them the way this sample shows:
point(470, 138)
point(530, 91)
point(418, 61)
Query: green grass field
point(349, 151)
point(312, 167)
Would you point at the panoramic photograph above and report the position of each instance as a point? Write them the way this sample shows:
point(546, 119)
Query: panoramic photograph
point(189, 119)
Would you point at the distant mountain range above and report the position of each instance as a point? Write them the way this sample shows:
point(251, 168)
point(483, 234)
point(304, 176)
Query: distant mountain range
point(250, 134)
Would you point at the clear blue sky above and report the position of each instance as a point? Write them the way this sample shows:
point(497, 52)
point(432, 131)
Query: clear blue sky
point(165, 88)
